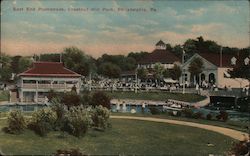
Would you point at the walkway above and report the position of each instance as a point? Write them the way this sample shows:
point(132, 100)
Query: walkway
point(225, 131)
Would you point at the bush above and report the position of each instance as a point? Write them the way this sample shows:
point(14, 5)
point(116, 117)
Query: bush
point(209, 117)
point(77, 121)
point(100, 117)
point(100, 98)
point(240, 148)
point(198, 115)
point(188, 112)
point(42, 121)
point(222, 116)
point(60, 111)
point(154, 110)
point(71, 99)
point(16, 122)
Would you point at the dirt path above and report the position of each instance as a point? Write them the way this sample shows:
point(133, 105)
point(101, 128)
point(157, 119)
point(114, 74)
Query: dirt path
point(225, 131)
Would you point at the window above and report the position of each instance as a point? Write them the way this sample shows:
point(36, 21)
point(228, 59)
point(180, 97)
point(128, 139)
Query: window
point(233, 61)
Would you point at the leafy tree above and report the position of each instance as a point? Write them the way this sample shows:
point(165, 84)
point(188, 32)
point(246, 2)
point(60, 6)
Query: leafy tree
point(71, 99)
point(178, 50)
point(23, 64)
point(190, 47)
point(158, 71)
point(5, 66)
point(76, 60)
point(110, 70)
point(241, 71)
point(54, 57)
point(16, 122)
point(175, 73)
point(142, 73)
point(195, 67)
point(15, 63)
point(137, 55)
point(100, 98)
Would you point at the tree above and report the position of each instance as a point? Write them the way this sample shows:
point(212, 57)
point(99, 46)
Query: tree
point(5, 66)
point(100, 98)
point(158, 71)
point(23, 64)
point(71, 99)
point(142, 73)
point(137, 55)
point(110, 70)
point(195, 67)
point(76, 60)
point(241, 71)
point(100, 117)
point(175, 73)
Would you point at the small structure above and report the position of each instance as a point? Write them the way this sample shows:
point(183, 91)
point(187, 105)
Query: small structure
point(35, 83)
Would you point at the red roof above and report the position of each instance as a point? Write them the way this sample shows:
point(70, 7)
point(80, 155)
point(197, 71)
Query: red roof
point(215, 59)
point(49, 69)
point(159, 55)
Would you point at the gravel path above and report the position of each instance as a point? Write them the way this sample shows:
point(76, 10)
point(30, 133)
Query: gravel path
point(238, 135)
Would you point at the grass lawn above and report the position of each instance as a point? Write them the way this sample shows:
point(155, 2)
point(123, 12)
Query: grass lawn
point(236, 125)
point(161, 96)
point(125, 137)
point(4, 95)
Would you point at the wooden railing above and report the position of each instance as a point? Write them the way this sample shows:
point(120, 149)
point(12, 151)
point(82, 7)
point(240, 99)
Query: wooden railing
point(46, 86)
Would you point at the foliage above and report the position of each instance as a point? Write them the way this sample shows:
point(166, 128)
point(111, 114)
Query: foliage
point(42, 121)
point(71, 152)
point(222, 116)
point(154, 110)
point(16, 122)
point(198, 115)
point(52, 94)
point(175, 73)
point(100, 98)
point(5, 66)
point(142, 73)
point(4, 95)
point(110, 70)
point(23, 64)
point(100, 117)
point(188, 112)
point(77, 121)
point(52, 57)
point(240, 148)
point(76, 60)
point(209, 116)
point(242, 71)
point(195, 67)
point(60, 111)
point(137, 55)
point(158, 71)
point(71, 99)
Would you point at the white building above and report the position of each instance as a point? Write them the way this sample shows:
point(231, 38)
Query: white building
point(35, 83)
point(215, 70)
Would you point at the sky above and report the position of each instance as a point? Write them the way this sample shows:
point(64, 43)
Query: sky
point(107, 26)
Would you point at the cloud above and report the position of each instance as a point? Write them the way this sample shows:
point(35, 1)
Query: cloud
point(197, 12)
point(223, 8)
point(206, 28)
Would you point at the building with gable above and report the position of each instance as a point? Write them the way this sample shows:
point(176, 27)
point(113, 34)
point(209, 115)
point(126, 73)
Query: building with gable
point(215, 70)
point(35, 83)
point(160, 55)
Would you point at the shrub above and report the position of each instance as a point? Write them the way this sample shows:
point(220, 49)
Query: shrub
point(100, 117)
point(240, 148)
point(42, 121)
point(77, 121)
point(100, 98)
point(209, 117)
point(222, 116)
point(188, 112)
point(154, 110)
point(71, 99)
point(60, 111)
point(198, 115)
point(16, 122)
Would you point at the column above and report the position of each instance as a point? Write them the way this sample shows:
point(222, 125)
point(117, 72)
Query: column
point(21, 96)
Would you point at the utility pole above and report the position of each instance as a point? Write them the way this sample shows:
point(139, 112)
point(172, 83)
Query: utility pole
point(136, 81)
point(221, 56)
point(183, 74)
